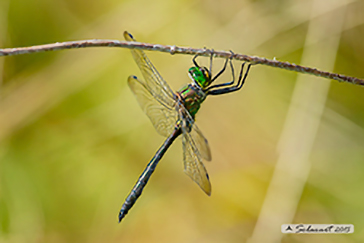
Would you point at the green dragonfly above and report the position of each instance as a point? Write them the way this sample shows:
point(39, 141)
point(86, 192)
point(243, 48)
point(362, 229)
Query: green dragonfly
point(173, 114)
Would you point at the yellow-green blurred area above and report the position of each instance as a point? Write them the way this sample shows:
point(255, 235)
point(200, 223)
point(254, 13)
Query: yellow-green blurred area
point(73, 139)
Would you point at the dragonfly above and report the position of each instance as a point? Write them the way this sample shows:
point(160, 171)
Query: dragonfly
point(173, 115)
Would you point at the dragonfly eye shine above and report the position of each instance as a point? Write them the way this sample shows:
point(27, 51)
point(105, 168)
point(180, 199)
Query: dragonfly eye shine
point(200, 75)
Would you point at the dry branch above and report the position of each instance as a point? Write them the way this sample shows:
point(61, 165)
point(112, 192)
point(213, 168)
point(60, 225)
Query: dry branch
point(178, 50)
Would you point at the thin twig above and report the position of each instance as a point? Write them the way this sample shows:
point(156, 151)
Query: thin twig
point(178, 50)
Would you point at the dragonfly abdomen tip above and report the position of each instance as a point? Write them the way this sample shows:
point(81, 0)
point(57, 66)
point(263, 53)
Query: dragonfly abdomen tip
point(121, 216)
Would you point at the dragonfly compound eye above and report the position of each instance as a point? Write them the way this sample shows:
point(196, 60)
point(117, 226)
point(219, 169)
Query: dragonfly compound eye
point(200, 75)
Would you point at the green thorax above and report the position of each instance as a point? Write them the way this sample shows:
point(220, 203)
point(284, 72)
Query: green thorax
point(192, 97)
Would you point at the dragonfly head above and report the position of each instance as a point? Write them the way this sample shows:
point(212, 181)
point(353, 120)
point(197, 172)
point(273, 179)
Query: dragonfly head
point(200, 75)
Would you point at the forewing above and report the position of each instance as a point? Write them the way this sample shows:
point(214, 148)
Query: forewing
point(163, 117)
point(154, 82)
point(196, 137)
point(200, 142)
point(195, 147)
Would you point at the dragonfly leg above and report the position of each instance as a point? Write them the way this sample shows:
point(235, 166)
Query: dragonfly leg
point(194, 60)
point(237, 87)
point(212, 54)
point(211, 57)
point(222, 70)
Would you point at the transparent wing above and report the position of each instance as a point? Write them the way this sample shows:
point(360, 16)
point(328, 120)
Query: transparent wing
point(154, 82)
point(196, 148)
point(163, 117)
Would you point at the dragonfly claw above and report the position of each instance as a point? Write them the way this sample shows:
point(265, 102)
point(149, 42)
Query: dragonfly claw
point(232, 54)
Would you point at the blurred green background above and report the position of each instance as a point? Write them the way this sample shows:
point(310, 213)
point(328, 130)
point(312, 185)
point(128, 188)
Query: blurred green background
point(73, 139)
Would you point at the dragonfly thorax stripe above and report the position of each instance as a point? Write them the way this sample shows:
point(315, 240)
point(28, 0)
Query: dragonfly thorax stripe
point(192, 96)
